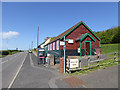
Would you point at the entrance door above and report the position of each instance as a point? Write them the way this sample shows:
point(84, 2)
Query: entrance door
point(87, 48)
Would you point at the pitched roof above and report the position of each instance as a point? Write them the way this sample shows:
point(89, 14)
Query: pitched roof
point(64, 33)
point(61, 36)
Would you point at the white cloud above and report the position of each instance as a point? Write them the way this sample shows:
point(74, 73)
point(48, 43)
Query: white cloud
point(9, 34)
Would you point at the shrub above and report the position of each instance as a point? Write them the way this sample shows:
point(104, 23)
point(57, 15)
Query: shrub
point(4, 53)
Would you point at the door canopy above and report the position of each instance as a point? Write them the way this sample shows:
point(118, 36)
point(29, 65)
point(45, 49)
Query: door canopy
point(83, 36)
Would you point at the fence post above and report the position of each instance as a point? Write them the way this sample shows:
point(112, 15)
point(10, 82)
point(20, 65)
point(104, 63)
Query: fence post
point(114, 56)
point(98, 57)
point(80, 63)
point(69, 66)
point(89, 62)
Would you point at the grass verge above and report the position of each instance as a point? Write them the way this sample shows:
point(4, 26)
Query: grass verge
point(109, 48)
point(102, 65)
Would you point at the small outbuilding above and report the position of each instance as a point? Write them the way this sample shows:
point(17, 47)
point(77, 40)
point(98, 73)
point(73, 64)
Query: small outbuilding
point(79, 40)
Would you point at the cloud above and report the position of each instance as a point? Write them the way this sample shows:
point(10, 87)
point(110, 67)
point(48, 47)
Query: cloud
point(9, 34)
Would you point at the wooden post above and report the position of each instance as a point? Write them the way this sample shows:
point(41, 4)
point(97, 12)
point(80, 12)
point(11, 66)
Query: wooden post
point(115, 56)
point(89, 62)
point(80, 64)
point(69, 66)
point(98, 60)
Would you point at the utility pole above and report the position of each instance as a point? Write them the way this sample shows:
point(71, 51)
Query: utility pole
point(37, 35)
point(32, 45)
point(37, 42)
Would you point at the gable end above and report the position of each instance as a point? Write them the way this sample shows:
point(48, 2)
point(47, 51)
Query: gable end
point(77, 26)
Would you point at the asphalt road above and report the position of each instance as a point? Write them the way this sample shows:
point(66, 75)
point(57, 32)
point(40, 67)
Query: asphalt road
point(11, 65)
point(31, 77)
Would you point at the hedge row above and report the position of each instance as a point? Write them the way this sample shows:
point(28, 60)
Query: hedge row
point(6, 52)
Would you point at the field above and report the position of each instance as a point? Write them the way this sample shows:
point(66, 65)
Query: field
point(109, 48)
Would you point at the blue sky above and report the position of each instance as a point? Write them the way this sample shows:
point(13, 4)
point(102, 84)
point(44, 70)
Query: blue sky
point(52, 19)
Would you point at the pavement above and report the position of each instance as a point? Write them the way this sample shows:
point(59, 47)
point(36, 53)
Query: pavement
point(10, 66)
point(103, 78)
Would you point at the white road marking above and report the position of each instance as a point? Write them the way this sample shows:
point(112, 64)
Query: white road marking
point(4, 61)
point(84, 86)
point(10, 85)
point(11, 58)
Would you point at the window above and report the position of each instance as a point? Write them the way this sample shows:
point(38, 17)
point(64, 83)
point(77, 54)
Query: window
point(57, 44)
point(53, 45)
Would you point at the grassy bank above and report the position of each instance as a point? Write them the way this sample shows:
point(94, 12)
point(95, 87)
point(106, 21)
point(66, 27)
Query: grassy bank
point(4, 53)
point(103, 64)
point(109, 48)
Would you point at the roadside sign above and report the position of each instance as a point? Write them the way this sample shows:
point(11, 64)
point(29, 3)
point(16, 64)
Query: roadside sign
point(41, 49)
point(62, 43)
point(70, 41)
point(74, 63)
point(78, 50)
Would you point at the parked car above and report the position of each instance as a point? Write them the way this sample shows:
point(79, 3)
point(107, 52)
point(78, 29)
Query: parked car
point(30, 51)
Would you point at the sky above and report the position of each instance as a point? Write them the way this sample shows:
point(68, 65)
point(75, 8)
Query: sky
point(21, 19)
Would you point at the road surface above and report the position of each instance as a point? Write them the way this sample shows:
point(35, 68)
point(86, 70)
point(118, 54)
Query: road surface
point(10, 66)
point(32, 77)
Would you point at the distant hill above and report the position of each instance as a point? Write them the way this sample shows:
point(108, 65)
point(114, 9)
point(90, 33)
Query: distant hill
point(109, 36)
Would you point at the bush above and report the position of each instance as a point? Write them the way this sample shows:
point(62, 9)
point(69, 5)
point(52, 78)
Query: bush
point(4, 53)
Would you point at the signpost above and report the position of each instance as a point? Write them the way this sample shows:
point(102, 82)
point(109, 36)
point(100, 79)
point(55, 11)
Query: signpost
point(64, 54)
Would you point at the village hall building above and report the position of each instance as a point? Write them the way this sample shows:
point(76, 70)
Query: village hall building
point(80, 40)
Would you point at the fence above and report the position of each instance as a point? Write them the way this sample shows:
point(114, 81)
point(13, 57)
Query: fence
point(74, 64)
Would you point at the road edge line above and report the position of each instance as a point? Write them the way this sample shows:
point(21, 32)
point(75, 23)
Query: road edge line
point(10, 85)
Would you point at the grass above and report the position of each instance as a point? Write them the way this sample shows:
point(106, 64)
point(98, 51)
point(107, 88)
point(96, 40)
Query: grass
point(2, 56)
point(109, 48)
point(102, 65)
point(34, 50)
